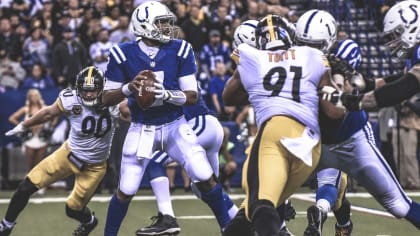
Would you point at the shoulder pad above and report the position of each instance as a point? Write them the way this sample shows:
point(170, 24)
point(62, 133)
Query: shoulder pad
point(68, 98)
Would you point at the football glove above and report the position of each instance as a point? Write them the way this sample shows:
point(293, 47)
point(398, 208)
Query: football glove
point(362, 83)
point(352, 101)
point(160, 91)
point(18, 129)
point(329, 93)
point(341, 67)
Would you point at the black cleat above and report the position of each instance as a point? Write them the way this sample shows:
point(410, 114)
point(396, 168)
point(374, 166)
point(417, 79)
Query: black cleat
point(162, 225)
point(316, 220)
point(284, 231)
point(4, 230)
point(85, 229)
point(344, 230)
point(239, 225)
point(289, 211)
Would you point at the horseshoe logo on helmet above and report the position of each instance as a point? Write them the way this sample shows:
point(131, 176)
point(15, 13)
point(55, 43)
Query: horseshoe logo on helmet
point(147, 15)
point(412, 7)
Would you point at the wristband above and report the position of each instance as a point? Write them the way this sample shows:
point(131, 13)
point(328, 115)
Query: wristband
point(125, 90)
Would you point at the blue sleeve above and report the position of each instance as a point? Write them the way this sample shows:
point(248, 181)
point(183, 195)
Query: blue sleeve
point(188, 65)
point(416, 56)
point(114, 70)
point(212, 87)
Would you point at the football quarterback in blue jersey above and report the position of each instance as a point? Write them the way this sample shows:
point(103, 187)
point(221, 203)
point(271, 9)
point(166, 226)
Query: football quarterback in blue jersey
point(163, 125)
point(210, 136)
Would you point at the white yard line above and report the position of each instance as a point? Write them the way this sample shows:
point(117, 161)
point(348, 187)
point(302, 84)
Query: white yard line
point(309, 197)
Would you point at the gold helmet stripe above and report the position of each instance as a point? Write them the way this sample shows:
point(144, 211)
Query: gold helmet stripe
point(270, 27)
point(89, 79)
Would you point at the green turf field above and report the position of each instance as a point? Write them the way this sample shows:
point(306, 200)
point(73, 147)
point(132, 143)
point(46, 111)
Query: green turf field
point(47, 218)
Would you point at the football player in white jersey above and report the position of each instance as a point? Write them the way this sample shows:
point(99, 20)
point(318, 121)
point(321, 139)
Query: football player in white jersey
point(84, 154)
point(281, 83)
point(162, 126)
point(245, 33)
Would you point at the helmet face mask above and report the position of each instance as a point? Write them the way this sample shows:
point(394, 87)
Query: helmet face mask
point(317, 29)
point(154, 21)
point(272, 34)
point(89, 86)
point(392, 40)
point(402, 28)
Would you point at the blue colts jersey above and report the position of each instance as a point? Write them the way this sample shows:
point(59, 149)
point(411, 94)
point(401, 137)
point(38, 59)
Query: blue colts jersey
point(337, 131)
point(415, 59)
point(174, 59)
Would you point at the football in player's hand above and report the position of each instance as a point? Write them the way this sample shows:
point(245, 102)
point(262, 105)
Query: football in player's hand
point(145, 96)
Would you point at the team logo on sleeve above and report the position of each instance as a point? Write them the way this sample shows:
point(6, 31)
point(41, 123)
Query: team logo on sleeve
point(77, 109)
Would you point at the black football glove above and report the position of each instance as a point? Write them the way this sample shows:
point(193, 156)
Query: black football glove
point(341, 67)
point(352, 101)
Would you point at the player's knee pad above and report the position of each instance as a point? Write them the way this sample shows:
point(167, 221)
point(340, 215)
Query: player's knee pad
point(83, 215)
point(197, 165)
point(26, 188)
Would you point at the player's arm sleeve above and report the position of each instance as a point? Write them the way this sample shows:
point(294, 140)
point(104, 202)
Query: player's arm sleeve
point(393, 93)
point(187, 59)
point(45, 114)
point(114, 73)
point(115, 77)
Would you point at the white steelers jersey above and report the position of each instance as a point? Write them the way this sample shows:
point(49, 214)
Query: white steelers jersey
point(91, 129)
point(283, 82)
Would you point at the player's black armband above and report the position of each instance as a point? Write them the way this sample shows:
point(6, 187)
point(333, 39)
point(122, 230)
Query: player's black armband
point(392, 78)
point(397, 91)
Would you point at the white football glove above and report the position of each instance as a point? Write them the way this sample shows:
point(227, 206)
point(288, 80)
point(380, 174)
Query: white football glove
point(160, 91)
point(17, 130)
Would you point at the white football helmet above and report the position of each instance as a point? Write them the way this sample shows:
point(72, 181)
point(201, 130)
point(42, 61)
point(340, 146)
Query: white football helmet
point(153, 20)
point(245, 33)
point(402, 27)
point(316, 28)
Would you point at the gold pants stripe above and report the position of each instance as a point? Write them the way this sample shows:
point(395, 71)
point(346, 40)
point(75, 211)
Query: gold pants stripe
point(271, 172)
